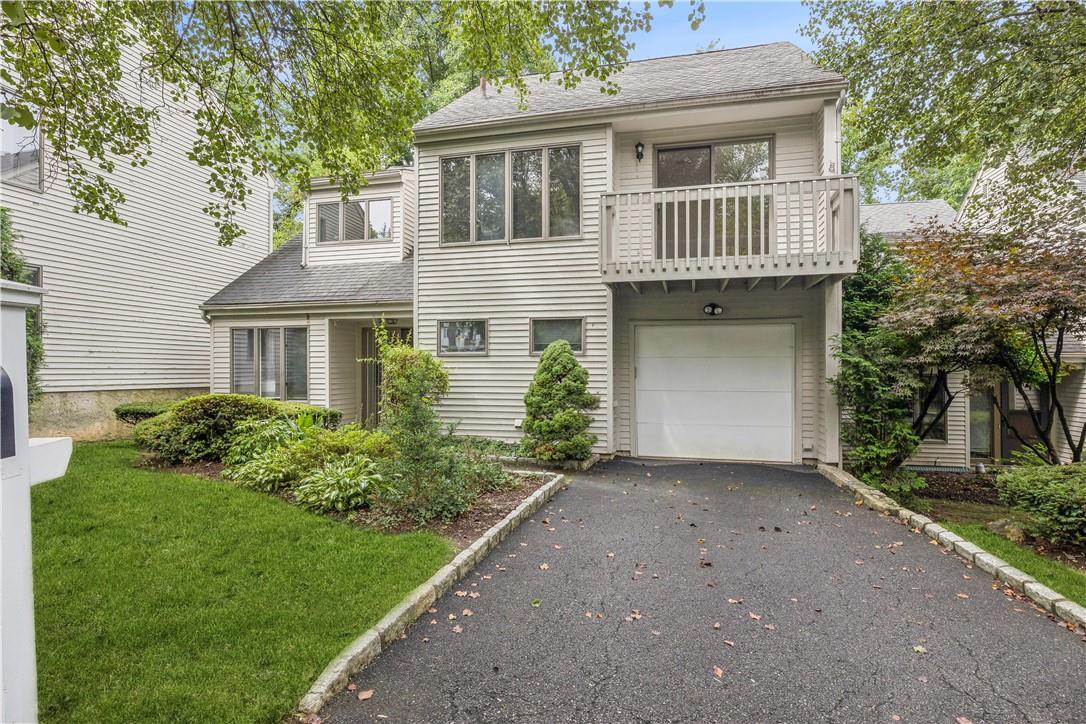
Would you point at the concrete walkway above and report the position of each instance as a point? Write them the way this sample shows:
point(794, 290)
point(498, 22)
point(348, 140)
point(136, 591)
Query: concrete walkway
point(619, 599)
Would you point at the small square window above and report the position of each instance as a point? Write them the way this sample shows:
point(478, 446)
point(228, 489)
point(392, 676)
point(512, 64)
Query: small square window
point(462, 337)
point(545, 331)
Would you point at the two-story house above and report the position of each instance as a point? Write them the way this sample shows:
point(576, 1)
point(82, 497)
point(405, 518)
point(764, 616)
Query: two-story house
point(688, 236)
point(121, 310)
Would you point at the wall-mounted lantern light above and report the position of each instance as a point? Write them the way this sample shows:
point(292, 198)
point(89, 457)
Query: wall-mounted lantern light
point(712, 309)
point(639, 148)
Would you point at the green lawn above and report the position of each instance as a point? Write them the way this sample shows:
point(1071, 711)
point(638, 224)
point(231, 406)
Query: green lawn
point(1055, 575)
point(173, 597)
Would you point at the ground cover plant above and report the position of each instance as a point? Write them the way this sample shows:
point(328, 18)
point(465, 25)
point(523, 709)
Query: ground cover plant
point(169, 597)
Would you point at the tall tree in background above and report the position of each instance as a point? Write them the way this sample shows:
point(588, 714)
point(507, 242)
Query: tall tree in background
point(937, 87)
point(274, 85)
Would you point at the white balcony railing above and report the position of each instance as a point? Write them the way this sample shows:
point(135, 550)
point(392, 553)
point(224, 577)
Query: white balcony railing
point(753, 229)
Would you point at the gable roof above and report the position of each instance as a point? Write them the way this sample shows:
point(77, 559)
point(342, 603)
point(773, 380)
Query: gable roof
point(676, 79)
point(895, 220)
point(280, 278)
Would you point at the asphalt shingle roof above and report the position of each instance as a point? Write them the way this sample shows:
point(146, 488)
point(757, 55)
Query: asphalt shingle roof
point(894, 220)
point(655, 81)
point(280, 278)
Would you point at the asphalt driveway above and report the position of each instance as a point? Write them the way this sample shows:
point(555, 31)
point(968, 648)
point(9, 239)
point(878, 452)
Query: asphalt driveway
point(618, 600)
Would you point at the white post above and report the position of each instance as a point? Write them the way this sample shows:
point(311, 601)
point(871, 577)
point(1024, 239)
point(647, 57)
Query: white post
point(23, 462)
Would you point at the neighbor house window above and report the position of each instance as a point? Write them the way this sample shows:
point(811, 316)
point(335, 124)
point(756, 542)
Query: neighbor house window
point(530, 193)
point(545, 331)
point(357, 220)
point(270, 362)
point(938, 402)
point(21, 160)
point(34, 275)
point(462, 337)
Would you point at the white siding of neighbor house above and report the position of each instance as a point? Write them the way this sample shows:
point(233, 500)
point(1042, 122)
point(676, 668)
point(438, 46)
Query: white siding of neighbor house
point(122, 304)
point(954, 451)
point(508, 284)
point(792, 303)
point(1072, 393)
point(358, 251)
point(317, 339)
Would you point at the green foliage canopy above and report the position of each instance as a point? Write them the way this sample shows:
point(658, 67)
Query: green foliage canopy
point(272, 85)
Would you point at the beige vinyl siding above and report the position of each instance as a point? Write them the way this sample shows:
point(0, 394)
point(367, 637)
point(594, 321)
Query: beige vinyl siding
point(954, 451)
point(508, 284)
point(122, 303)
point(355, 251)
point(344, 369)
point(763, 303)
point(795, 143)
point(316, 337)
point(408, 194)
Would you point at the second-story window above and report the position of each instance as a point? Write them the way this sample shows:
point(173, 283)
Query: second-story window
point(356, 220)
point(532, 193)
point(22, 160)
point(713, 163)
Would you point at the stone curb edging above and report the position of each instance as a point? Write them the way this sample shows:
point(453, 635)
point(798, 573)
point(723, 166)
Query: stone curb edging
point(367, 647)
point(1051, 601)
point(578, 466)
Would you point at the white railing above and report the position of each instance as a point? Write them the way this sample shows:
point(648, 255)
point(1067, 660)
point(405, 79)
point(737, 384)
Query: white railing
point(743, 229)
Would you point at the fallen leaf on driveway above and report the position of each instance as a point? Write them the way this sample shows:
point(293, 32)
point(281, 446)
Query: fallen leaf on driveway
point(352, 686)
point(431, 610)
point(536, 603)
point(718, 672)
point(460, 594)
point(755, 616)
point(610, 555)
point(457, 629)
point(487, 577)
point(467, 612)
point(735, 600)
point(655, 633)
point(367, 694)
point(557, 547)
point(544, 567)
point(770, 627)
point(920, 649)
point(962, 720)
point(452, 616)
point(729, 643)
point(962, 595)
point(716, 626)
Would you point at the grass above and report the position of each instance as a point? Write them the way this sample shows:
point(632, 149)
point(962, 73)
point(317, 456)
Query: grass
point(1055, 575)
point(162, 596)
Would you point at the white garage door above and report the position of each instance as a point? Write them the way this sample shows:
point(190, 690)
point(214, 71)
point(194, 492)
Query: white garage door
point(715, 391)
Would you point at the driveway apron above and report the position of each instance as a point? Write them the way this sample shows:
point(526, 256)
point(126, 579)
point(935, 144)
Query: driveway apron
point(721, 592)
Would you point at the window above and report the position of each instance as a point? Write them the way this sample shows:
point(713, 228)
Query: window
point(938, 402)
point(270, 362)
point(462, 337)
point(737, 224)
point(545, 331)
point(1018, 403)
point(360, 220)
point(21, 159)
point(524, 194)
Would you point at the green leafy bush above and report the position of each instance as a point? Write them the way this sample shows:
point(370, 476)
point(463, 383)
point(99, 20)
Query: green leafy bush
point(341, 484)
point(275, 456)
point(556, 422)
point(253, 438)
point(133, 412)
point(203, 427)
point(1055, 498)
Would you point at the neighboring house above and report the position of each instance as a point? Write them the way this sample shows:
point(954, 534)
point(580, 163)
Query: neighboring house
point(121, 312)
point(972, 430)
point(688, 236)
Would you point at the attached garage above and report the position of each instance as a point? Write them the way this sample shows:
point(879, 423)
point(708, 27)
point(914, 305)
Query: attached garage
point(715, 391)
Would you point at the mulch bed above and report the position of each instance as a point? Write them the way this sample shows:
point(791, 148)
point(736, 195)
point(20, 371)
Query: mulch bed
point(207, 469)
point(966, 487)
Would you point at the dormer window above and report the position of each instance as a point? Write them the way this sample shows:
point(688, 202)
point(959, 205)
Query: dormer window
point(355, 220)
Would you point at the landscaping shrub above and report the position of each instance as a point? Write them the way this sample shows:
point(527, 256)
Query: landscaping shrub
point(556, 424)
point(133, 412)
point(277, 465)
point(253, 438)
point(341, 484)
point(202, 427)
point(1055, 498)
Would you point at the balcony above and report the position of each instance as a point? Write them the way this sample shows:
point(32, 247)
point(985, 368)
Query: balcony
point(796, 229)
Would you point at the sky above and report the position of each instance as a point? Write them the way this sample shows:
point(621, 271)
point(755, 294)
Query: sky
point(732, 24)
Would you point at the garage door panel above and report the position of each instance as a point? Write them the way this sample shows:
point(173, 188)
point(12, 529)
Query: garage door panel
point(707, 373)
point(715, 442)
point(719, 391)
point(715, 407)
point(716, 340)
